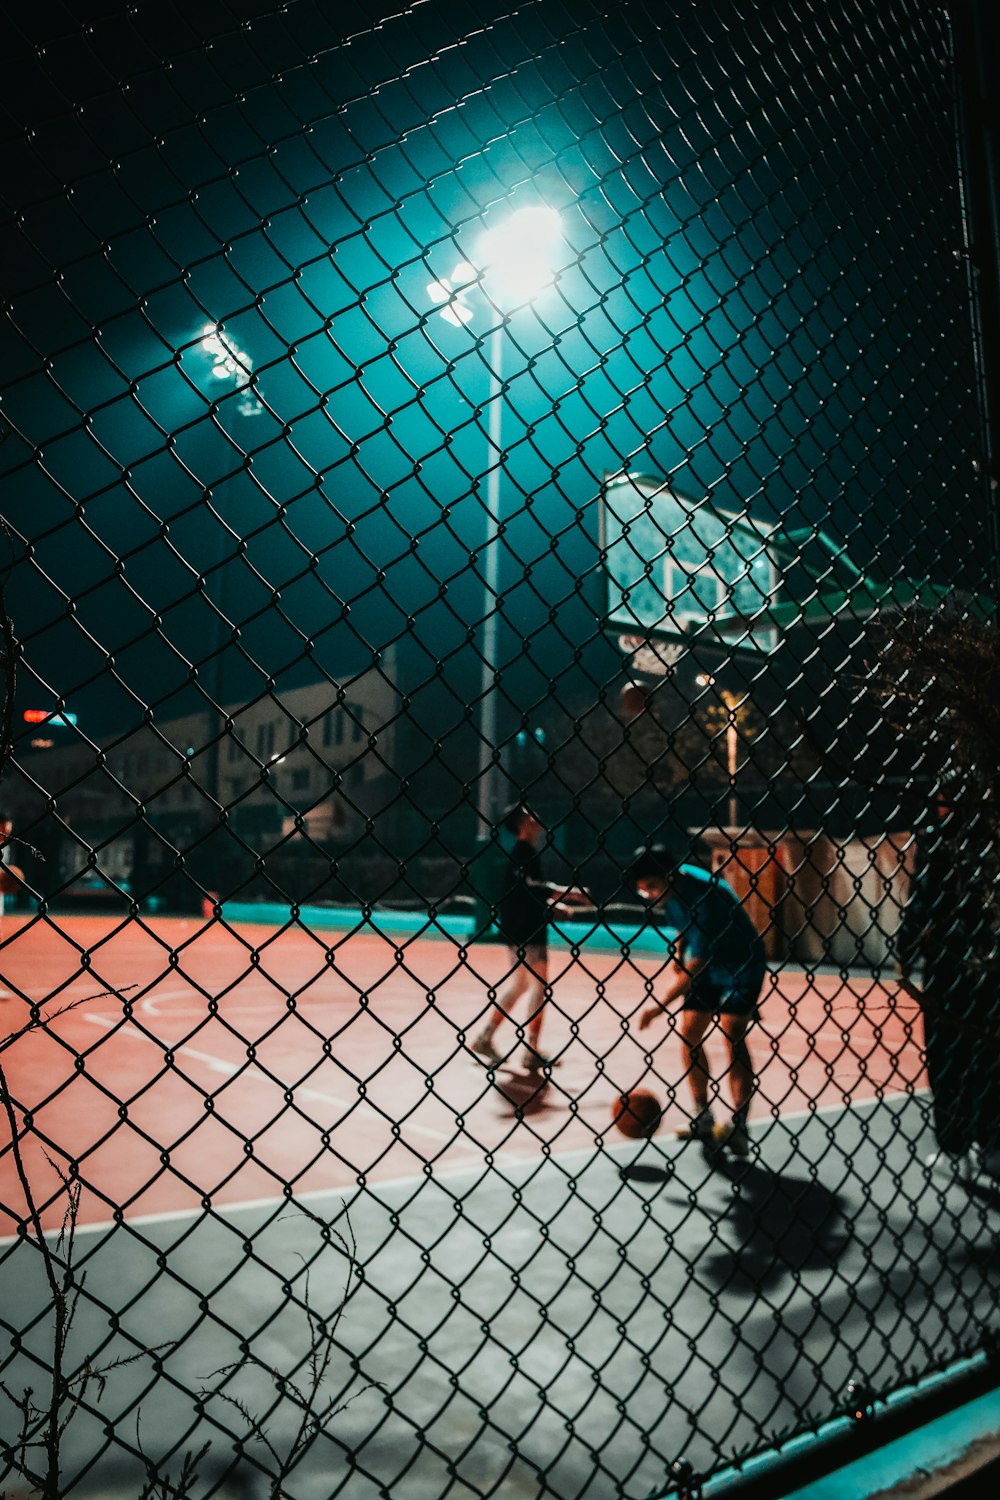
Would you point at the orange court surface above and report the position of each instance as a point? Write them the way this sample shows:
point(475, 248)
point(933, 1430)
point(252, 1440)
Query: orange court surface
point(223, 1063)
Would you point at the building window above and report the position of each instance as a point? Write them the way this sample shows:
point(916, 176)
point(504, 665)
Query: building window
point(300, 779)
point(333, 726)
point(265, 740)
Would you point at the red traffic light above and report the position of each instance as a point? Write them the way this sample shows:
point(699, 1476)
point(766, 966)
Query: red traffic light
point(48, 716)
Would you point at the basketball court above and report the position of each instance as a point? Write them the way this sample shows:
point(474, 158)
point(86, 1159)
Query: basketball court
point(283, 1149)
point(187, 1064)
point(269, 1124)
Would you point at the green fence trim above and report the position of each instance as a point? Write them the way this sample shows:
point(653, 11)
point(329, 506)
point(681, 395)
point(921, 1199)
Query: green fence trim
point(927, 1450)
point(927, 1447)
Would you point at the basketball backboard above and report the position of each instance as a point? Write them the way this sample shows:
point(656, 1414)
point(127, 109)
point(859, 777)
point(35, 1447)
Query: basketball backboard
point(686, 570)
point(682, 572)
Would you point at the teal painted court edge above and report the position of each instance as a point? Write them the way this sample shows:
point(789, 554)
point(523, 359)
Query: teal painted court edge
point(651, 939)
point(925, 1450)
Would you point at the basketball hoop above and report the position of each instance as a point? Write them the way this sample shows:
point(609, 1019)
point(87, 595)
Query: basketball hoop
point(655, 658)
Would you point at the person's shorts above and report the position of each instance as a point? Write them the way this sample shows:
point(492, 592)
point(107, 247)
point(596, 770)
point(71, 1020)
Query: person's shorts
point(737, 998)
point(534, 953)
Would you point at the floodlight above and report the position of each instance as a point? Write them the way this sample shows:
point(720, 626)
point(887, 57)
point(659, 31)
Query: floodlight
point(518, 256)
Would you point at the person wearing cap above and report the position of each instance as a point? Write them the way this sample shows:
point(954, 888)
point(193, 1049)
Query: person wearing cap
point(716, 975)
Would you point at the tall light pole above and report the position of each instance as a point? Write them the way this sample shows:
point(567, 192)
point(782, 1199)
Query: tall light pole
point(232, 365)
point(514, 264)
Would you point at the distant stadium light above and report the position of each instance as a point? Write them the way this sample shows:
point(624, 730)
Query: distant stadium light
point(47, 716)
point(447, 297)
point(229, 362)
point(518, 256)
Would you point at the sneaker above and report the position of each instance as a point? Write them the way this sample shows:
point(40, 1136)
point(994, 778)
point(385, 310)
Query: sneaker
point(990, 1163)
point(940, 1163)
point(701, 1128)
point(961, 1167)
point(533, 1061)
point(482, 1046)
point(735, 1138)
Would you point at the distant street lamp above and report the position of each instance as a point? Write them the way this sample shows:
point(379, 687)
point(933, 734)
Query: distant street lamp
point(514, 265)
point(229, 362)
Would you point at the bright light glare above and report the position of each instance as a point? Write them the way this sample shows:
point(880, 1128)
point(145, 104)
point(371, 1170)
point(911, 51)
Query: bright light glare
point(457, 314)
point(448, 297)
point(228, 362)
point(517, 256)
point(515, 264)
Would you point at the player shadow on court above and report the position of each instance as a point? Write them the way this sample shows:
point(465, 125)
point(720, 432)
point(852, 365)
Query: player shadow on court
point(776, 1226)
point(524, 1094)
point(773, 1226)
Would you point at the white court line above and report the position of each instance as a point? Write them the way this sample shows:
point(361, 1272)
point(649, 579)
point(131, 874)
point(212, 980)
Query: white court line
point(258, 1001)
point(150, 1002)
point(454, 1169)
point(300, 1091)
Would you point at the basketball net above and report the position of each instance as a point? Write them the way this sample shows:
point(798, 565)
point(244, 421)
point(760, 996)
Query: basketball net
point(655, 658)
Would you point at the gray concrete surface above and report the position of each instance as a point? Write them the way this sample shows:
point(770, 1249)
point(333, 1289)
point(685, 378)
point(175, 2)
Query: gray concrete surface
point(568, 1328)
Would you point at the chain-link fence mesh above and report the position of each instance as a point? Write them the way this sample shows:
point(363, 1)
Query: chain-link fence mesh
point(498, 953)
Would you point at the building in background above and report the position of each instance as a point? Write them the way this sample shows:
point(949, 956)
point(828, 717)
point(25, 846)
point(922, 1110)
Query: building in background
point(304, 780)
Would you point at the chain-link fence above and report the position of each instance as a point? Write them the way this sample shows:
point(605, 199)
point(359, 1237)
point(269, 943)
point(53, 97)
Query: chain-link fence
point(498, 953)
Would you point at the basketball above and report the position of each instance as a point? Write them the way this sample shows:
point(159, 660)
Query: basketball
point(633, 700)
point(637, 1114)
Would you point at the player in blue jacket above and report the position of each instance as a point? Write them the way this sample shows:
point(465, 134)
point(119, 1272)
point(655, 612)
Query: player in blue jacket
point(717, 973)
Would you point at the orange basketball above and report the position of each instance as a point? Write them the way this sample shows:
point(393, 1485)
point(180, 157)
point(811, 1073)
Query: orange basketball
point(633, 700)
point(637, 1114)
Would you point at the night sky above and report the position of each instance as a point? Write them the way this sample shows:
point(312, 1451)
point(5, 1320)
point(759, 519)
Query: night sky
point(757, 296)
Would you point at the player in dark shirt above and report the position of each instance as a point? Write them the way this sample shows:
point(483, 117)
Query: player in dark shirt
point(716, 976)
point(522, 907)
